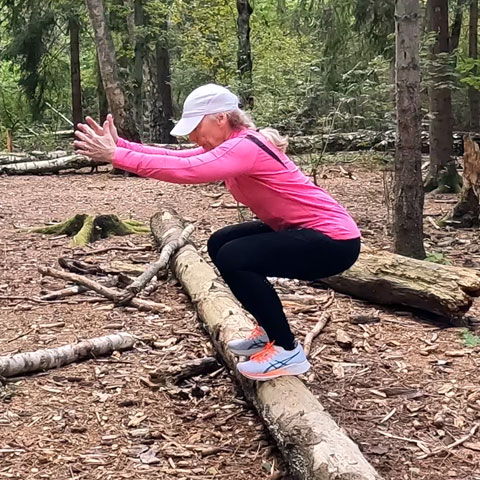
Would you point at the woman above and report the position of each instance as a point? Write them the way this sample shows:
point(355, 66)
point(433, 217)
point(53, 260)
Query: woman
point(302, 233)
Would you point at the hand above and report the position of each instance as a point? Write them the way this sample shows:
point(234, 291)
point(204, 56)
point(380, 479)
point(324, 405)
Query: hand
point(98, 146)
point(93, 125)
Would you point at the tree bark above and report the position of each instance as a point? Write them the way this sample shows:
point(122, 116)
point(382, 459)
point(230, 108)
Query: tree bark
point(7, 158)
point(138, 66)
point(41, 360)
point(244, 55)
point(163, 111)
point(77, 112)
point(443, 175)
point(109, 71)
point(466, 213)
point(313, 444)
point(473, 93)
point(386, 278)
point(101, 96)
point(408, 186)
point(456, 28)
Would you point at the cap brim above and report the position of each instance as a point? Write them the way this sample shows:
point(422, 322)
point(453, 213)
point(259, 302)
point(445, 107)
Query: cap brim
point(186, 126)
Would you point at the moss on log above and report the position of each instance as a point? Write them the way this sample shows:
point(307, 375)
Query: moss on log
point(88, 228)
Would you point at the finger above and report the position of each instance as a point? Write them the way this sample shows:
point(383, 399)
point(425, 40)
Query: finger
point(86, 129)
point(81, 146)
point(106, 126)
point(96, 127)
point(81, 136)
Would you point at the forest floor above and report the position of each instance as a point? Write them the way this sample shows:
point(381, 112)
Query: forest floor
point(407, 387)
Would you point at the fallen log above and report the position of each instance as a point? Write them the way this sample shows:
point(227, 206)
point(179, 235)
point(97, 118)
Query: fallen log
point(71, 162)
point(7, 158)
point(310, 440)
point(389, 279)
point(28, 362)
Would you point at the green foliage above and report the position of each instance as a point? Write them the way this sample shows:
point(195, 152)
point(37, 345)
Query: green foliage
point(470, 339)
point(437, 257)
point(318, 65)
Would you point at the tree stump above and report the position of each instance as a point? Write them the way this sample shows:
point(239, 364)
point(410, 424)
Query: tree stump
point(87, 228)
point(466, 213)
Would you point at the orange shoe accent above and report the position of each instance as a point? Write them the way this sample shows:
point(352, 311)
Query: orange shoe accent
point(256, 332)
point(267, 352)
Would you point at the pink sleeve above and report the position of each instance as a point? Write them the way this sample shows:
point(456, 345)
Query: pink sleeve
point(232, 158)
point(138, 147)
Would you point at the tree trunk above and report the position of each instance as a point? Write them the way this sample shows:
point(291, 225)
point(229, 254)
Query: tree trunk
point(109, 71)
point(9, 140)
point(310, 440)
point(138, 66)
point(443, 175)
point(386, 278)
point(74, 28)
point(40, 360)
point(456, 28)
point(408, 186)
point(244, 56)
point(101, 96)
point(163, 111)
point(473, 93)
point(466, 213)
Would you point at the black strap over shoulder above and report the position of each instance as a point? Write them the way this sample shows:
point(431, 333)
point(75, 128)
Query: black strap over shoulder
point(260, 144)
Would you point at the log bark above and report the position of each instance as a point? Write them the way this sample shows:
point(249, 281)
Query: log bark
point(70, 162)
point(313, 444)
point(7, 158)
point(390, 279)
point(40, 360)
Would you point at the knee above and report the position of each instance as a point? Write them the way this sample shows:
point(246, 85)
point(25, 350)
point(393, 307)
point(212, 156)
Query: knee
point(214, 244)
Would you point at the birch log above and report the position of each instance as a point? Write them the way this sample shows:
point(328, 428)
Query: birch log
point(40, 360)
point(20, 157)
point(310, 440)
point(47, 166)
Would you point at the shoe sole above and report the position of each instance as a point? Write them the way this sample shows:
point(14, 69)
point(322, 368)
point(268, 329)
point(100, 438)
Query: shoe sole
point(246, 353)
point(294, 369)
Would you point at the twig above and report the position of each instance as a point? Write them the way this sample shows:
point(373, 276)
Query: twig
point(452, 445)
point(110, 293)
point(316, 330)
point(419, 443)
point(109, 249)
point(167, 251)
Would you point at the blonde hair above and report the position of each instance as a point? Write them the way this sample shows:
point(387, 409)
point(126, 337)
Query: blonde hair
point(239, 119)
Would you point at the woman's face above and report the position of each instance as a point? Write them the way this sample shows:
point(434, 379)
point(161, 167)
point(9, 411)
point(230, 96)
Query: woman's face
point(212, 131)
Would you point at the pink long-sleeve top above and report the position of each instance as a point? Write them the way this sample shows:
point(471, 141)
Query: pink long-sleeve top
point(278, 193)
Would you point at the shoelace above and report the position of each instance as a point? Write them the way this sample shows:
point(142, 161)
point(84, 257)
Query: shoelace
point(256, 332)
point(267, 352)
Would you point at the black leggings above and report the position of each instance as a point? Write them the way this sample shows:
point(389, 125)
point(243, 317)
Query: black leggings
point(247, 253)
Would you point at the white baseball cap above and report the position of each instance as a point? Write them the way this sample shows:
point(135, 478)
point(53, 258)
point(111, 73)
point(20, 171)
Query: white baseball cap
point(202, 101)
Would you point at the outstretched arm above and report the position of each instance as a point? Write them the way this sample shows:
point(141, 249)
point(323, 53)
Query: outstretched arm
point(230, 159)
point(138, 147)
